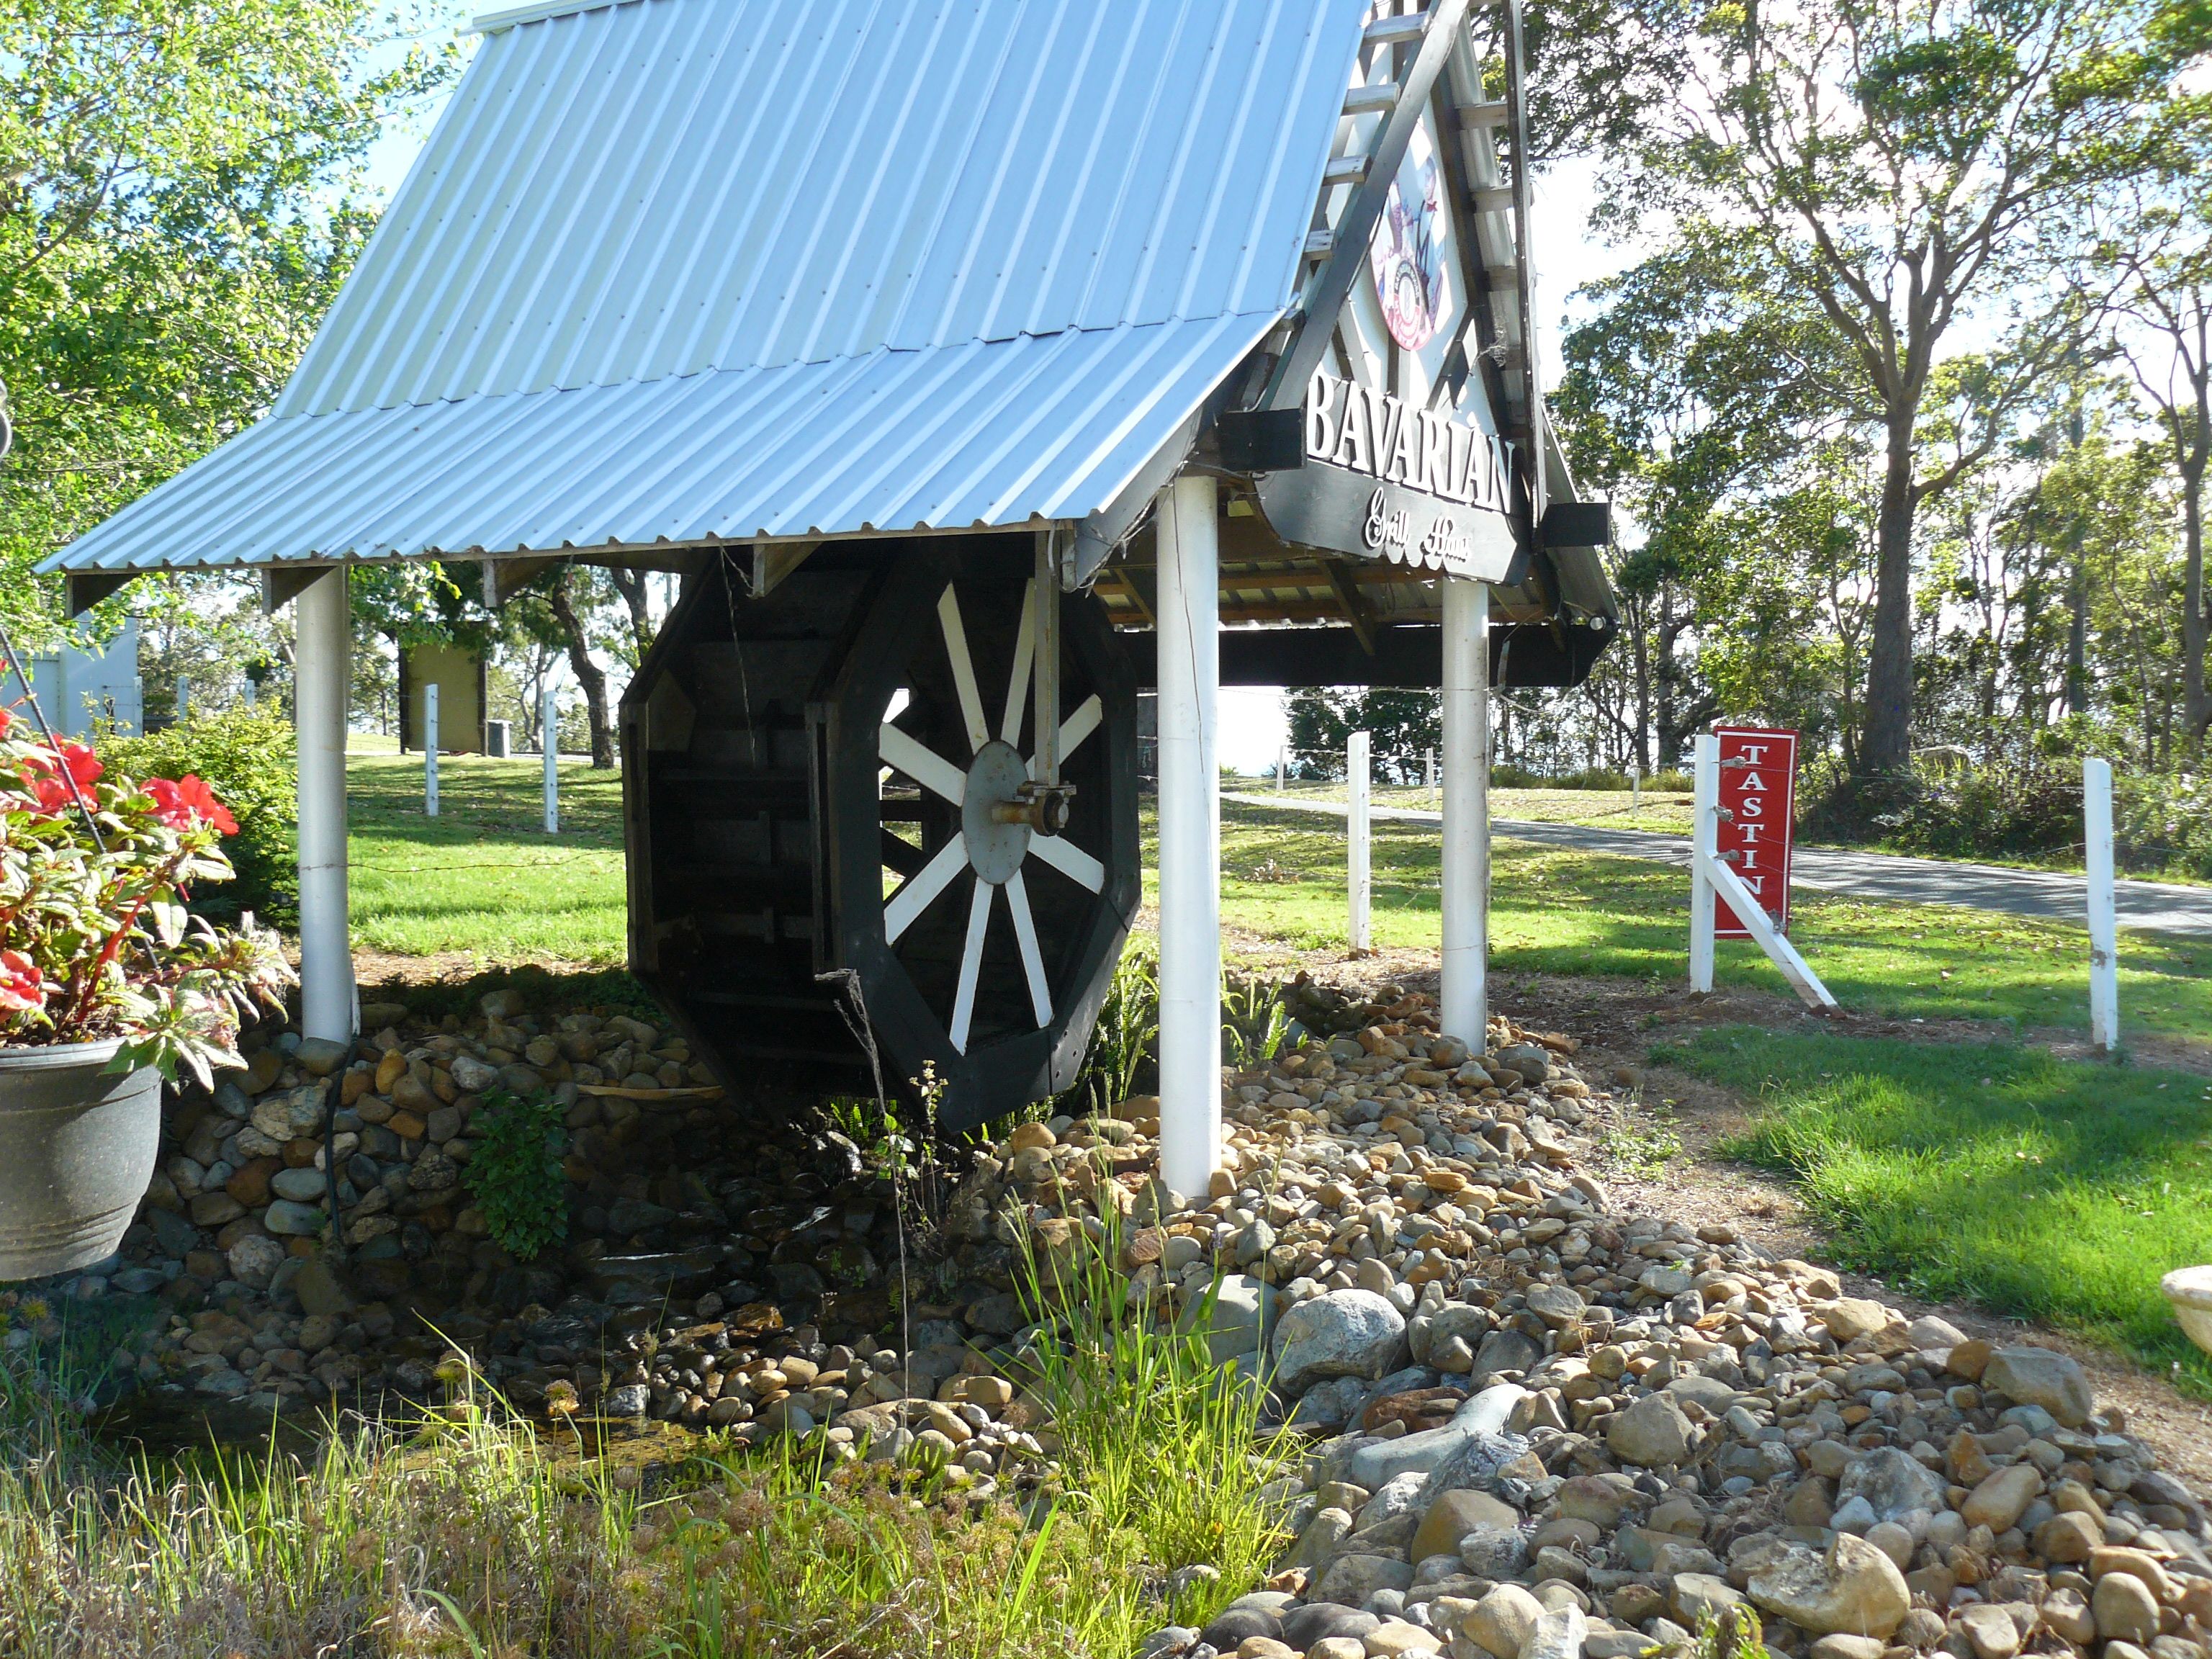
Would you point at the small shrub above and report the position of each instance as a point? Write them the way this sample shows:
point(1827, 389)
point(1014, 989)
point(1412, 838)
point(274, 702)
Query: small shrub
point(515, 1172)
point(250, 759)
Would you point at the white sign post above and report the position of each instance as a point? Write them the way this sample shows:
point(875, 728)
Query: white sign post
point(1710, 876)
point(1359, 878)
point(430, 750)
point(550, 741)
point(2104, 935)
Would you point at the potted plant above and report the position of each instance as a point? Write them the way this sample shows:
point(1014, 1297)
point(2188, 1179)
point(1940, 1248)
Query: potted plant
point(108, 984)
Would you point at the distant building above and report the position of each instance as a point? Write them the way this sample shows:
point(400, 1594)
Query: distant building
point(83, 686)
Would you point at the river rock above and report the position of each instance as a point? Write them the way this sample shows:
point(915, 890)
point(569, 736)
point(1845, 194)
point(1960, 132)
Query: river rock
point(1352, 1332)
point(1502, 1622)
point(2125, 1609)
point(1894, 1484)
point(1353, 1579)
point(1853, 1589)
point(2003, 1498)
point(2037, 1377)
point(1560, 1633)
point(1454, 1514)
point(1653, 1433)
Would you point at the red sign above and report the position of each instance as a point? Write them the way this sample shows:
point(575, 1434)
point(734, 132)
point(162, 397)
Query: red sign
point(1758, 800)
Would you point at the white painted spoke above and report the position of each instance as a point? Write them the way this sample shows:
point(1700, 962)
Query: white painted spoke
point(910, 754)
point(1076, 727)
point(971, 964)
point(1078, 866)
point(1018, 687)
point(963, 668)
point(1017, 902)
point(915, 893)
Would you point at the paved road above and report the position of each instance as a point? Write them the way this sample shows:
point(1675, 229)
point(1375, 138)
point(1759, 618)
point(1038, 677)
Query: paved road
point(2159, 906)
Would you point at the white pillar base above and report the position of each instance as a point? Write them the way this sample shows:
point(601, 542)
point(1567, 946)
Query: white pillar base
point(1189, 612)
point(1464, 1008)
point(323, 652)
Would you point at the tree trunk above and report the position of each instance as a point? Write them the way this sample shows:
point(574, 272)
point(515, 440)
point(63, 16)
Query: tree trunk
point(2195, 707)
point(588, 673)
point(630, 584)
point(1885, 753)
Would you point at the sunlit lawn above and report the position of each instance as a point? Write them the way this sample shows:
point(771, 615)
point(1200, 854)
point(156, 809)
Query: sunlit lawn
point(482, 878)
point(1562, 911)
point(1666, 813)
point(2059, 1190)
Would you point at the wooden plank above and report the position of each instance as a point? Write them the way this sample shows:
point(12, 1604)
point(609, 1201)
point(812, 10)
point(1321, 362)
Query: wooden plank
point(1355, 227)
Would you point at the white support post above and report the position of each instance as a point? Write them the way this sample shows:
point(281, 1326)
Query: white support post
point(1705, 843)
point(1190, 613)
point(2104, 930)
point(550, 741)
point(430, 750)
point(324, 671)
point(1358, 878)
point(1464, 1000)
point(1712, 878)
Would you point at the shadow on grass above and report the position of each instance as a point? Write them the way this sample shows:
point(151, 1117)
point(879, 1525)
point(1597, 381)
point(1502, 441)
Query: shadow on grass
point(2057, 1190)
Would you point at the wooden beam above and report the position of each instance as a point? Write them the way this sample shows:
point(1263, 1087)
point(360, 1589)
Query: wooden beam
point(1355, 609)
point(1440, 28)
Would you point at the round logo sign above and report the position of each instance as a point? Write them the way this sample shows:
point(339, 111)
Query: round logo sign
point(1408, 251)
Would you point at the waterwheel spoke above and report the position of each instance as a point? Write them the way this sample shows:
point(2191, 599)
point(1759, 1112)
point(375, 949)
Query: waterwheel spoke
point(1025, 935)
point(1018, 684)
point(908, 753)
point(963, 668)
point(971, 965)
point(915, 894)
point(1072, 861)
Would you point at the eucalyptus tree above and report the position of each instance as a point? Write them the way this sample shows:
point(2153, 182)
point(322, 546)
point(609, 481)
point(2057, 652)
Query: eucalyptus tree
point(1905, 168)
point(2162, 307)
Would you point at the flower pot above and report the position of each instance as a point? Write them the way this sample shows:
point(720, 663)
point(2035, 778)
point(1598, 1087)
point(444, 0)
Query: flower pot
point(77, 1145)
point(2189, 1290)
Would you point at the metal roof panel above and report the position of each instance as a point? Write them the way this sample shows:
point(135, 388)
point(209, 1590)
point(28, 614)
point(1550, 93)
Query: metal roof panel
point(976, 435)
point(662, 187)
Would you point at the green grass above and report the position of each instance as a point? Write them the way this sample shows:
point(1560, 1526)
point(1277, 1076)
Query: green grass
point(1559, 911)
point(1666, 812)
point(483, 879)
point(2058, 1190)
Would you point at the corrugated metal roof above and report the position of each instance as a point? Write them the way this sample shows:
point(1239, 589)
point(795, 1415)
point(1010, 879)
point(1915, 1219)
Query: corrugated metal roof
point(983, 434)
point(666, 187)
point(674, 269)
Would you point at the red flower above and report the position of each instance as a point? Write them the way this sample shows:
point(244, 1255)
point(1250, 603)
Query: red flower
point(7, 719)
point(22, 987)
point(44, 774)
point(188, 801)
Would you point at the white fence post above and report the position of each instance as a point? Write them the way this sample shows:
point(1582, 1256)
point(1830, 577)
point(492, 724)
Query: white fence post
point(550, 741)
point(1429, 768)
point(430, 750)
point(1282, 766)
point(2104, 939)
point(1359, 881)
point(1636, 788)
point(1705, 841)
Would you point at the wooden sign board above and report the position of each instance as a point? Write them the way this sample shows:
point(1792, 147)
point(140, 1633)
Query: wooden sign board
point(1758, 800)
point(1383, 479)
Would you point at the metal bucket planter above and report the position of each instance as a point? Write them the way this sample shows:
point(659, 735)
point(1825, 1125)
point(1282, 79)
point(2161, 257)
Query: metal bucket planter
point(77, 1145)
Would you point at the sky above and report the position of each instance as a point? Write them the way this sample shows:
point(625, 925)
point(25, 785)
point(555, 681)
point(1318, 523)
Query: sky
point(1254, 728)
